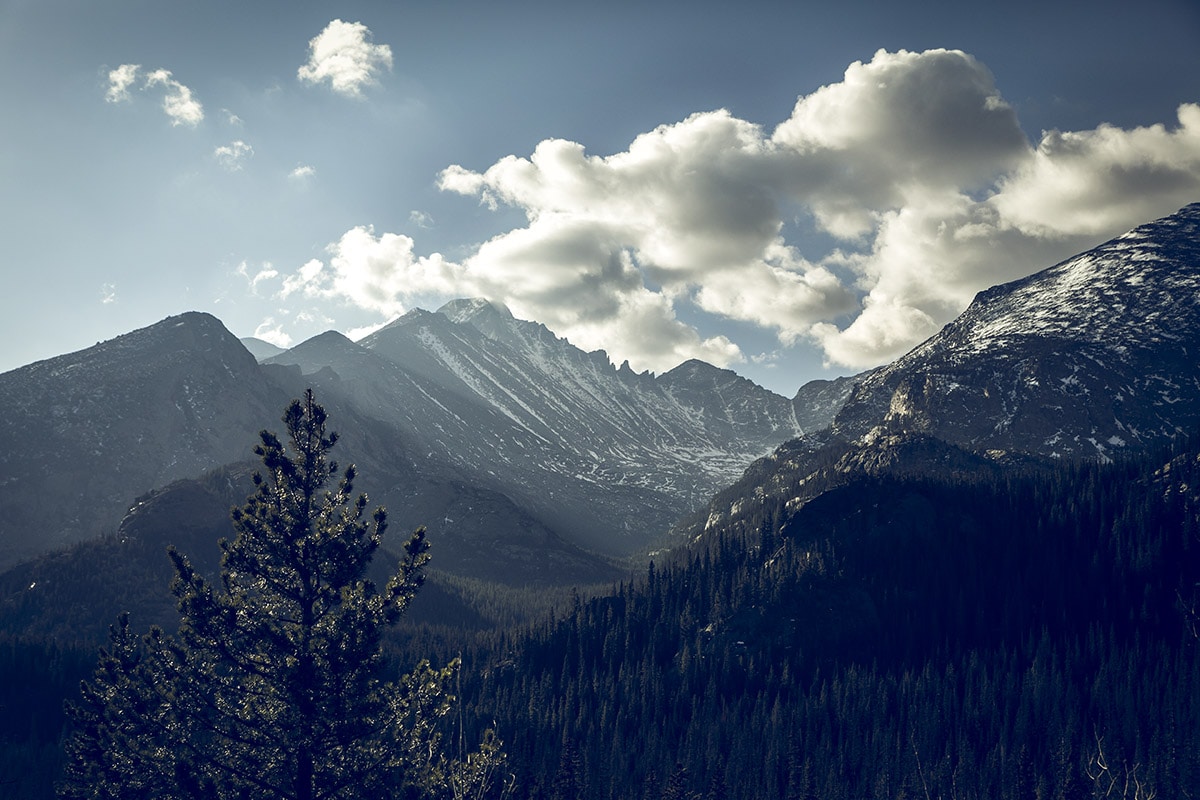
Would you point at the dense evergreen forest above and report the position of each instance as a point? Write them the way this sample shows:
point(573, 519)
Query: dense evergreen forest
point(973, 634)
point(1020, 636)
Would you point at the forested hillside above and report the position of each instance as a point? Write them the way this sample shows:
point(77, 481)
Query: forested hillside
point(967, 636)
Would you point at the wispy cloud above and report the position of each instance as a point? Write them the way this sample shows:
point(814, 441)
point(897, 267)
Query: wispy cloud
point(270, 331)
point(233, 156)
point(264, 273)
point(108, 293)
point(913, 165)
point(302, 172)
point(343, 56)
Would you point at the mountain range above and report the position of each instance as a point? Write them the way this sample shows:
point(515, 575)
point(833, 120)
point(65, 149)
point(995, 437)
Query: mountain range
point(970, 573)
point(530, 460)
point(527, 459)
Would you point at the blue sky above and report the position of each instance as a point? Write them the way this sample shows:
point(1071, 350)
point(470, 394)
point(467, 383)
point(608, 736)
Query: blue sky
point(791, 190)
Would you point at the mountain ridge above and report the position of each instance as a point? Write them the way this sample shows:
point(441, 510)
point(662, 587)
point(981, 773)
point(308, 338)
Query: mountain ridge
point(143, 409)
point(497, 395)
point(470, 422)
point(1091, 358)
point(1113, 325)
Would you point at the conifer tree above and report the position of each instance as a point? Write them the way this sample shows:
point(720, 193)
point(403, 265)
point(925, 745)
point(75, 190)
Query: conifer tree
point(275, 686)
point(113, 753)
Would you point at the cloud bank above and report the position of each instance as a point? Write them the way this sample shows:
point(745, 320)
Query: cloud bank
point(343, 56)
point(913, 169)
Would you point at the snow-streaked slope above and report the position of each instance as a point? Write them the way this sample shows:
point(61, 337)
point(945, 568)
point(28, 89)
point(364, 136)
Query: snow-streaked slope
point(607, 456)
point(1080, 360)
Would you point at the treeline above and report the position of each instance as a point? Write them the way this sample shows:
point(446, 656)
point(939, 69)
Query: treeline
point(1011, 636)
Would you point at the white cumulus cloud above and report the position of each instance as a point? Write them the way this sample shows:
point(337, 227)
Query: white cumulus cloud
point(378, 274)
point(270, 331)
point(913, 166)
point(344, 56)
point(1092, 182)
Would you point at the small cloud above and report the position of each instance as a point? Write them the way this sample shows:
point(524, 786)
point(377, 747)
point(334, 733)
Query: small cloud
point(302, 173)
point(269, 331)
point(309, 280)
point(108, 293)
point(380, 274)
point(233, 155)
point(356, 334)
point(265, 273)
point(232, 119)
point(180, 105)
point(420, 219)
point(343, 56)
point(119, 81)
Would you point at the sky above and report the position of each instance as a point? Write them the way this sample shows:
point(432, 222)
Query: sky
point(790, 190)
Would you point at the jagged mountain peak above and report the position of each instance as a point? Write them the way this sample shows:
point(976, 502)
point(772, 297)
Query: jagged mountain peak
point(326, 340)
point(408, 319)
point(319, 351)
point(701, 376)
point(194, 336)
point(694, 367)
point(467, 309)
point(527, 412)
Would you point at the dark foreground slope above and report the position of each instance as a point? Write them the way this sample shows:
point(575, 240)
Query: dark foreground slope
point(980, 636)
point(943, 595)
point(977, 634)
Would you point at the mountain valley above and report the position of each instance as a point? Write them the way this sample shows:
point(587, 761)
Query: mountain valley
point(970, 573)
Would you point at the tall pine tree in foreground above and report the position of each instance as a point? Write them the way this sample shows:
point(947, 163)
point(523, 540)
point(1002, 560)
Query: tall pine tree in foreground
point(275, 685)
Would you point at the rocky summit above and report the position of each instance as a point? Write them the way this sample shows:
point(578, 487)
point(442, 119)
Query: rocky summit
point(1084, 359)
